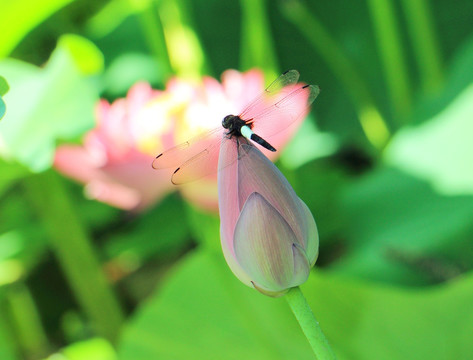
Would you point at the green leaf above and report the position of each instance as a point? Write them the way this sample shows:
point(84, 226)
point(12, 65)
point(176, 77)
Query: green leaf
point(127, 69)
point(365, 321)
point(91, 349)
point(3, 108)
point(205, 227)
point(204, 312)
point(7, 351)
point(32, 14)
point(22, 239)
point(50, 103)
point(4, 87)
point(318, 184)
point(308, 144)
point(160, 231)
point(440, 150)
point(399, 230)
point(86, 56)
point(3, 90)
point(11, 172)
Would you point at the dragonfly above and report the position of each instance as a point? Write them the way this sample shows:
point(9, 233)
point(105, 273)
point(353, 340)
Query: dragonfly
point(198, 156)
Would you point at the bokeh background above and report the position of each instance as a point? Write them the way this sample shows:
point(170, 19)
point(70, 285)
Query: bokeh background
point(384, 161)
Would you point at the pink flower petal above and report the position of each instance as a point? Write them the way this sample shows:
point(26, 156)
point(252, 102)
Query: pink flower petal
point(141, 186)
point(76, 162)
point(113, 194)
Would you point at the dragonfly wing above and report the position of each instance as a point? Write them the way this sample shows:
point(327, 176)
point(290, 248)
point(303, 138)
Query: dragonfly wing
point(198, 166)
point(179, 154)
point(205, 162)
point(272, 94)
point(289, 108)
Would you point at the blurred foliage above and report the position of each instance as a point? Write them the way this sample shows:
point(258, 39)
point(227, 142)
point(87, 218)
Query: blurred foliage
point(3, 90)
point(383, 162)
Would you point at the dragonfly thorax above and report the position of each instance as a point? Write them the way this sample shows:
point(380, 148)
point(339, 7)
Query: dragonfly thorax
point(233, 124)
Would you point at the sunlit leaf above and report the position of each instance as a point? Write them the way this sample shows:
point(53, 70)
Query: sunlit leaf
point(92, 349)
point(50, 103)
point(86, 56)
point(32, 13)
point(440, 150)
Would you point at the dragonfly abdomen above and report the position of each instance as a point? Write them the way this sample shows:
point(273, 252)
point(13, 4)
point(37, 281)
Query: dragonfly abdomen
point(249, 134)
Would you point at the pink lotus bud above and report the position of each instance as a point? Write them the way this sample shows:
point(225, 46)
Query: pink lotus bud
point(269, 237)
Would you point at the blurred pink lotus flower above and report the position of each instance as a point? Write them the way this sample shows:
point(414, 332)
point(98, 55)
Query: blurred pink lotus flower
point(269, 237)
point(110, 163)
point(115, 159)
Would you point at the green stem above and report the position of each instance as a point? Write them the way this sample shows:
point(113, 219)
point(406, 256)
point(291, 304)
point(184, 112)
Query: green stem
point(257, 47)
point(371, 121)
point(26, 321)
point(426, 48)
point(154, 36)
point(309, 324)
point(9, 342)
point(75, 253)
point(394, 64)
point(186, 56)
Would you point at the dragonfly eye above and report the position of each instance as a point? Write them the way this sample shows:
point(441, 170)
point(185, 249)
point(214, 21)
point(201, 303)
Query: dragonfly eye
point(227, 120)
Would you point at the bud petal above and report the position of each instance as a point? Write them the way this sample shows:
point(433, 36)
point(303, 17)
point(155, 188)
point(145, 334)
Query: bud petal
point(263, 244)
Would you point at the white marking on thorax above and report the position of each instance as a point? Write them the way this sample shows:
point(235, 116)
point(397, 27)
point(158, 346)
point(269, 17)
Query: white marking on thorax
point(246, 132)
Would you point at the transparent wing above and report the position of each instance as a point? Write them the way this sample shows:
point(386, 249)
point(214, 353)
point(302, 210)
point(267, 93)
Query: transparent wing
point(205, 162)
point(283, 102)
point(272, 94)
point(293, 105)
point(177, 155)
point(199, 165)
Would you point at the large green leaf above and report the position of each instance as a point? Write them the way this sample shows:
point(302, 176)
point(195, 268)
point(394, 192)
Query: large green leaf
point(365, 321)
point(203, 312)
point(19, 17)
point(399, 230)
point(440, 150)
point(50, 103)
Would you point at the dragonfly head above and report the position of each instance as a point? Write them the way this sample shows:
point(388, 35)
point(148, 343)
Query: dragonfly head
point(228, 122)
